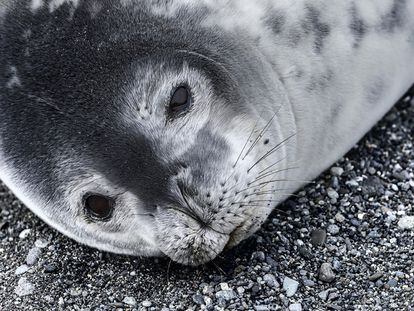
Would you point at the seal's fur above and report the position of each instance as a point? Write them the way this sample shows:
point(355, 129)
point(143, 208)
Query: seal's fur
point(280, 91)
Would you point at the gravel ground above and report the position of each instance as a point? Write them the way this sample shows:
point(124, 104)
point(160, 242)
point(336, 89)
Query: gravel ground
point(345, 242)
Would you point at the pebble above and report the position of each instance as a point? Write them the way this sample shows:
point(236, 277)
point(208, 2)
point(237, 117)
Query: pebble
point(326, 273)
point(131, 301)
point(290, 286)
point(21, 269)
point(50, 267)
point(24, 234)
point(392, 282)
point(146, 303)
point(352, 183)
point(339, 217)
point(271, 281)
point(259, 256)
point(198, 299)
point(324, 294)
point(337, 171)
point(318, 237)
point(295, 307)
point(332, 194)
point(24, 287)
point(33, 256)
point(224, 286)
point(376, 276)
point(333, 229)
point(226, 295)
point(308, 283)
point(406, 223)
point(41, 243)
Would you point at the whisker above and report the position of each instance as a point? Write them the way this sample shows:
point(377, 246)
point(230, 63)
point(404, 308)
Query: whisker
point(272, 150)
point(168, 271)
point(219, 269)
point(272, 165)
point(260, 177)
point(147, 214)
point(287, 180)
point(266, 127)
point(245, 145)
point(275, 191)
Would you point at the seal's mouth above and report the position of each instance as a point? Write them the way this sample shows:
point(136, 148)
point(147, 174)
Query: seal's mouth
point(190, 242)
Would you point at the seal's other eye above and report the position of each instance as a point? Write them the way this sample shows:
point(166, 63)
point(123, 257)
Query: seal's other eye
point(180, 101)
point(98, 207)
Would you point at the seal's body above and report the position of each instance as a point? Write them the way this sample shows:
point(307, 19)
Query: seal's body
point(173, 127)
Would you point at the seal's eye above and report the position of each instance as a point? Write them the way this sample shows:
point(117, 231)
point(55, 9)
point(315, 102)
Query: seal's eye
point(98, 207)
point(180, 101)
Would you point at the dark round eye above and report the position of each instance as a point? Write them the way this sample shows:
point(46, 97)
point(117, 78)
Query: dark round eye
point(180, 101)
point(99, 207)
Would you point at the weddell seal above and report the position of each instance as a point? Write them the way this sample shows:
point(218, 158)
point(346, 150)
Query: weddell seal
point(173, 127)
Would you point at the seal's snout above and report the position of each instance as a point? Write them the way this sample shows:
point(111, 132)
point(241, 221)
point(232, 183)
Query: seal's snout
point(189, 241)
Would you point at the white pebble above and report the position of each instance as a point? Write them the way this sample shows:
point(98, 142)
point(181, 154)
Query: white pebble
point(33, 256)
point(24, 234)
point(131, 301)
point(337, 171)
point(295, 307)
point(290, 286)
point(41, 243)
point(24, 287)
point(406, 222)
point(224, 286)
point(22, 269)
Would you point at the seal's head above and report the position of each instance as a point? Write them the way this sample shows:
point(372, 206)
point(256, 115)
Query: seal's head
point(133, 136)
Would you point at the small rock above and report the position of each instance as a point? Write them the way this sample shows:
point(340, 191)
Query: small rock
point(261, 308)
point(41, 243)
point(199, 299)
point(337, 171)
point(50, 267)
point(224, 286)
point(290, 286)
point(318, 237)
point(305, 252)
point(75, 292)
point(146, 303)
point(33, 256)
point(332, 194)
point(406, 222)
point(24, 287)
point(271, 281)
point(326, 273)
point(339, 217)
point(399, 274)
point(131, 301)
point(352, 183)
point(24, 234)
point(308, 283)
point(333, 229)
point(324, 294)
point(295, 307)
point(259, 256)
point(22, 269)
point(226, 295)
point(392, 283)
